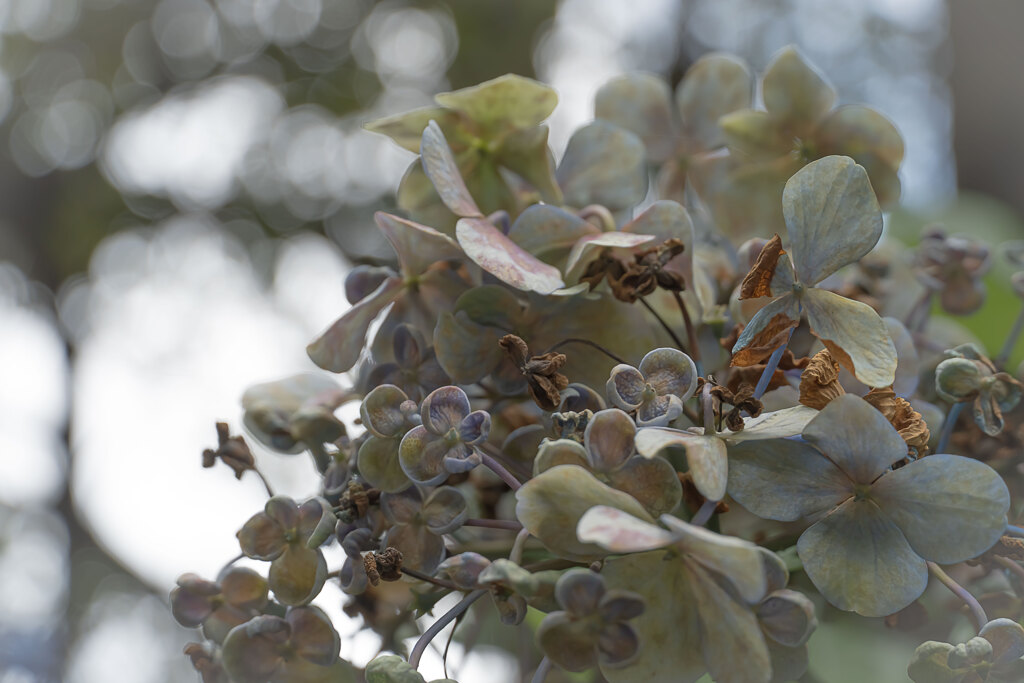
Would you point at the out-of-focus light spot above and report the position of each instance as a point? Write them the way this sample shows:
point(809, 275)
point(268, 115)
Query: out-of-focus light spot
point(286, 22)
point(33, 568)
point(191, 146)
point(40, 20)
point(406, 45)
point(178, 329)
point(33, 405)
point(124, 640)
point(185, 29)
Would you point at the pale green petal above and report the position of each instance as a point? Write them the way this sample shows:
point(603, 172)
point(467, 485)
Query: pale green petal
point(510, 100)
point(418, 246)
point(855, 129)
point(493, 251)
point(774, 425)
point(553, 453)
point(854, 334)
point(466, 351)
point(784, 480)
point(856, 437)
point(440, 167)
point(652, 481)
point(407, 128)
point(753, 134)
point(861, 562)
point(730, 637)
point(525, 153)
point(1007, 638)
point(949, 507)
point(787, 617)
point(620, 532)
point(668, 629)
point(713, 86)
point(551, 504)
point(705, 456)
point(832, 217)
point(737, 561)
point(795, 92)
point(603, 164)
point(337, 349)
point(640, 103)
point(379, 464)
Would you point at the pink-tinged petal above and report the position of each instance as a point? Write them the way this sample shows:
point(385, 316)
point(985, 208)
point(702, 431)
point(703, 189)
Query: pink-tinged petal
point(439, 165)
point(608, 439)
point(418, 246)
point(620, 532)
point(339, 347)
point(625, 387)
point(444, 409)
point(544, 228)
point(493, 251)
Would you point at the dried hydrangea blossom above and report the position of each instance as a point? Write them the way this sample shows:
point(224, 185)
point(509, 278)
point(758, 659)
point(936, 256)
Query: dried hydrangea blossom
point(657, 389)
point(446, 441)
point(874, 527)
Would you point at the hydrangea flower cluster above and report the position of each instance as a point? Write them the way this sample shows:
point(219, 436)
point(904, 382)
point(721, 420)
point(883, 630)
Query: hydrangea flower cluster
point(636, 424)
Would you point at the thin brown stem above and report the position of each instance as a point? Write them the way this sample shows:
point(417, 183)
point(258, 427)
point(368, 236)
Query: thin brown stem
point(508, 524)
point(675, 338)
point(578, 340)
point(499, 469)
point(691, 333)
point(442, 583)
point(977, 611)
point(1010, 565)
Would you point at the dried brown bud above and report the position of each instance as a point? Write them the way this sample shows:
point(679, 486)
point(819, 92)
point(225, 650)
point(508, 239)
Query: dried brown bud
point(541, 372)
point(232, 450)
point(907, 421)
point(385, 565)
point(757, 282)
point(819, 382)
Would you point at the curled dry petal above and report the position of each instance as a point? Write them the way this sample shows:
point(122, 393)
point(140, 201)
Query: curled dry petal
point(757, 282)
point(819, 382)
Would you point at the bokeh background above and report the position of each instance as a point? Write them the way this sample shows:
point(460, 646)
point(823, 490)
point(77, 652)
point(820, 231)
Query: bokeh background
point(184, 183)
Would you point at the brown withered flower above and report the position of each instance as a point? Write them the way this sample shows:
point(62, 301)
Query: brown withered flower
point(907, 421)
point(819, 386)
point(232, 450)
point(757, 282)
point(647, 272)
point(541, 372)
point(819, 382)
point(953, 267)
point(742, 400)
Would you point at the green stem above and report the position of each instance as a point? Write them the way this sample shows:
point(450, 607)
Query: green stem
point(977, 611)
point(516, 554)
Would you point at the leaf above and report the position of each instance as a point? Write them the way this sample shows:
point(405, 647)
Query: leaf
point(832, 217)
point(641, 104)
point(551, 504)
point(860, 561)
point(856, 438)
point(504, 259)
point(338, 348)
point(949, 507)
point(603, 164)
point(854, 334)
point(795, 92)
point(705, 456)
point(418, 247)
point(509, 100)
point(440, 167)
point(620, 532)
point(784, 480)
point(713, 86)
